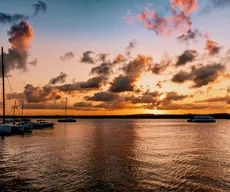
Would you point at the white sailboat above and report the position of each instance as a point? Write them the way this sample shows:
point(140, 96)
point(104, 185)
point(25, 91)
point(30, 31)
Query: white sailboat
point(67, 119)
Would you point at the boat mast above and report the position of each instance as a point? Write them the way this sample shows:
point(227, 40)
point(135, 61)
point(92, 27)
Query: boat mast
point(14, 107)
point(3, 89)
point(22, 109)
point(66, 106)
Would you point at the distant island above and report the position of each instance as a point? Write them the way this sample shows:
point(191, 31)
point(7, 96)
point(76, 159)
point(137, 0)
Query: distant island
point(136, 116)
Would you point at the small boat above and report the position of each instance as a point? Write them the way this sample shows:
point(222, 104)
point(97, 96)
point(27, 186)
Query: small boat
point(67, 119)
point(202, 119)
point(17, 129)
point(44, 124)
point(5, 130)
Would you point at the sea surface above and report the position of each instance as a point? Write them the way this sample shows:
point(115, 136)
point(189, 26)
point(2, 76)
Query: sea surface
point(118, 155)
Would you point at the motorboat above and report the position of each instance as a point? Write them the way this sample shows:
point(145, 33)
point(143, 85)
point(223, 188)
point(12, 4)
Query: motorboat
point(5, 129)
point(68, 119)
point(44, 124)
point(202, 119)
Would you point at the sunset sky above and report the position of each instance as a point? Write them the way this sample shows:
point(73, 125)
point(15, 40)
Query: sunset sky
point(116, 57)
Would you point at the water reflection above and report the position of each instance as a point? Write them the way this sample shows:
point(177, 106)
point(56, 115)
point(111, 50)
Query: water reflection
point(118, 155)
point(112, 156)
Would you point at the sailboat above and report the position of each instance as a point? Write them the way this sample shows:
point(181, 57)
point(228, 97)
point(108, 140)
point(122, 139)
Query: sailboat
point(5, 129)
point(67, 119)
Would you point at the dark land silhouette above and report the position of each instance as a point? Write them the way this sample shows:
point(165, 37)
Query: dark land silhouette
point(136, 116)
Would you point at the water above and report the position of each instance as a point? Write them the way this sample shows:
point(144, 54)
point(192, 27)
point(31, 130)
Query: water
point(118, 155)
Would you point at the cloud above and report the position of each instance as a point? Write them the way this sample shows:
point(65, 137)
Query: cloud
point(69, 55)
point(40, 6)
point(204, 75)
point(132, 45)
point(215, 4)
point(187, 6)
point(165, 62)
point(201, 76)
point(59, 79)
point(14, 18)
point(90, 84)
point(20, 36)
point(132, 72)
point(212, 47)
point(186, 56)
point(119, 59)
point(86, 58)
point(40, 94)
point(190, 35)
point(179, 20)
point(122, 84)
point(225, 99)
point(181, 77)
point(102, 96)
point(8, 18)
point(104, 69)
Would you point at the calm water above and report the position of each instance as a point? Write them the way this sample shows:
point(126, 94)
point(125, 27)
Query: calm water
point(118, 155)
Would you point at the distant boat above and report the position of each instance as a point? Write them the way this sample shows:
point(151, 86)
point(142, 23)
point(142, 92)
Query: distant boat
point(67, 119)
point(202, 119)
point(44, 124)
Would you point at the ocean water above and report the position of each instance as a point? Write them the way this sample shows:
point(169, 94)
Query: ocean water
point(118, 155)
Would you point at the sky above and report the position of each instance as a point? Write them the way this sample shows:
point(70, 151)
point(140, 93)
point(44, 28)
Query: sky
point(116, 57)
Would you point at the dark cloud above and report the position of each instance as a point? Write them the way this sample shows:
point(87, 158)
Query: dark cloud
point(137, 66)
point(83, 105)
point(181, 77)
point(204, 75)
point(132, 45)
point(20, 36)
point(174, 96)
point(86, 58)
point(122, 84)
point(102, 96)
point(59, 79)
point(132, 72)
point(201, 76)
point(8, 18)
point(14, 18)
point(40, 6)
point(40, 94)
point(91, 84)
point(69, 55)
point(190, 35)
point(104, 69)
point(186, 56)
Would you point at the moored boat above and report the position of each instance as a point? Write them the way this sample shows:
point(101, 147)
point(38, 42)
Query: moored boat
point(202, 119)
point(44, 124)
point(68, 119)
point(5, 130)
